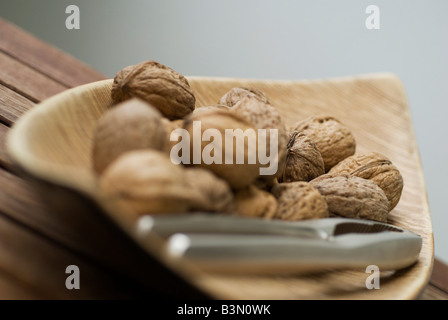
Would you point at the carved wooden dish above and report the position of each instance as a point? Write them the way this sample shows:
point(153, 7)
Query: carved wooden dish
point(51, 146)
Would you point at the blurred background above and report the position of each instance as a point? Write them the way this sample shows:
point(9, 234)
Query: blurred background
point(281, 39)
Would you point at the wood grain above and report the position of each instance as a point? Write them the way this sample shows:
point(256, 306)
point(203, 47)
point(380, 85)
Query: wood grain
point(439, 276)
point(12, 105)
point(42, 57)
point(373, 107)
point(26, 81)
point(5, 162)
point(14, 289)
point(434, 293)
point(19, 202)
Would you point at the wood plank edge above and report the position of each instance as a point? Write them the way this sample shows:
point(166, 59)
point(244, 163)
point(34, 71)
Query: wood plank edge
point(46, 74)
point(439, 276)
point(24, 42)
point(18, 91)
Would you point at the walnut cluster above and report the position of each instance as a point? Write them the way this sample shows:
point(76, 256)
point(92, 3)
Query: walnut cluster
point(318, 173)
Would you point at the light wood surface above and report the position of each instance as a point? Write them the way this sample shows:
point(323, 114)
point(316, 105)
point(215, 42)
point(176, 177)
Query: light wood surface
point(52, 142)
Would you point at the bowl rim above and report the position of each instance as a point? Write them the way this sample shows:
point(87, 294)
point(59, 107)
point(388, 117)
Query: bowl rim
point(21, 155)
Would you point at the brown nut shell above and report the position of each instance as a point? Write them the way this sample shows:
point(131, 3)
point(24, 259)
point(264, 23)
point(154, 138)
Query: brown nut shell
point(211, 108)
point(353, 197)
point(334, 140)
point(303, 160)
point(210, 193)
point(130, 125)
point(299, 200)
point(238, 175)
point(170, 126)
point(255, 203)
point(146, 182)
point(265, 116)
point(234, 95)
point(155, 83)
point(376, 167)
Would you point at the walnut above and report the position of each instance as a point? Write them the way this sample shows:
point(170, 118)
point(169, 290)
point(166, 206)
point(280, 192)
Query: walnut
point(303, 160)
point(131, 125)
point(238, 175)
point(146, 182)
point(157, 84)
point(255, 203)
point(353, 197)
point(299, 200)
point(334, 140)
point(210, 108)
point(265, 116)
point(376, 167)
point(170, 126)
point(210, 193)
point(233, 96)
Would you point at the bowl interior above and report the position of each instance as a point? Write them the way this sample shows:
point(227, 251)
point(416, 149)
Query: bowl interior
point(53, 142)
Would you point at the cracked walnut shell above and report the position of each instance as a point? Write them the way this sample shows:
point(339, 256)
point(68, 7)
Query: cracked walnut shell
point(334, 140)
point(234, 95)
point(352, 197)
point(303, 160)
point(376, 167)
point(155, 83)
point(299, 200)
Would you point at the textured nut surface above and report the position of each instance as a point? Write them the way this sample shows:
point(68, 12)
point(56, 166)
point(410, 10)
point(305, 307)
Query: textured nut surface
point(353, 197)
point(130, 125)
point(234, 95)
point(210, 193)
point(146, 182)
point(166, 89)
point(303, 160)
point(170, 126)
point(255, 203)
point(376, 167)
point(334, 140)
point(299, 200)
point(265, 116)
point(211, 108)
point(236, 174)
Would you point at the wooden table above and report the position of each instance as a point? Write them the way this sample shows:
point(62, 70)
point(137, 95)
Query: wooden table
point(34, 253)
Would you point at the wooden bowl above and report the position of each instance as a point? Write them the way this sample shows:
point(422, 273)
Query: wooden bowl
point(51, 146)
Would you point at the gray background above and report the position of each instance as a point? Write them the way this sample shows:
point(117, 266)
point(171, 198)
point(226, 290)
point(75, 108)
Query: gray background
point(276, 40)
